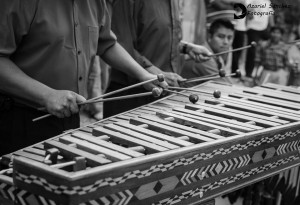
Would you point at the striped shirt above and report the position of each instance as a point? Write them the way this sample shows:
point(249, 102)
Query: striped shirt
point(272, 56)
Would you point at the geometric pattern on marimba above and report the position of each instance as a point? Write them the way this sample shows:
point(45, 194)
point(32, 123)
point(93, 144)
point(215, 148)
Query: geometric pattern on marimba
point(160, 186)
point(6, 191)
point(109, 181)
point(156, 187)
point(22, 197)
point(195, 175)
point(287, 147)
point(120, 198)
point(224, 181)
point(32, 179)
point(214, 169)
point(25, 198)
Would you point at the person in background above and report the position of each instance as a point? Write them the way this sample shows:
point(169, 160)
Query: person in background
point(224, 9)
point(220, 38)
point(239, 41)
point(151, 32)
point(46, 51)
point(273, 57)
point(256, 28)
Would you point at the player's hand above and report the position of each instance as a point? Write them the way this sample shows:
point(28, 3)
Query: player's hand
point(198, 53)
point(172, 78)
point(155, 84)
point(63, 103)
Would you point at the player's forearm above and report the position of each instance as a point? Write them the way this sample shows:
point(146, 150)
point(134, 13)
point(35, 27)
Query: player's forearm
point(154, 70)
point(16, 83)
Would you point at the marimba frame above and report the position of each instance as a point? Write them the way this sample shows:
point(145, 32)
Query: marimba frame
point(184, 175)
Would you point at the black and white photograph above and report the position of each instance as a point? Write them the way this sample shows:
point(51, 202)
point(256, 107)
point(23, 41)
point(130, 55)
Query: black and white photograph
point(149, 102)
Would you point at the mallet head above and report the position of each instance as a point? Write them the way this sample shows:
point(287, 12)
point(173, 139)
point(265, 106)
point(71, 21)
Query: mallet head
point(156, 92)
point(238, 73)
point(193, 98)
point(253, 43)
point(222, 73)
point(160, 78)
point(217, 94)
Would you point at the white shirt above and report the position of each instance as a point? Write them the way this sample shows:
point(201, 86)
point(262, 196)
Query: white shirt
point(240, 24)
point(258, 22)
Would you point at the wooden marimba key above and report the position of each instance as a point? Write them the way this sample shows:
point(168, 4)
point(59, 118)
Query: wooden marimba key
point(168, 152)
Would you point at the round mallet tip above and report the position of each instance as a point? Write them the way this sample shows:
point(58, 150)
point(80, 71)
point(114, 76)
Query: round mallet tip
point(160, 77)
point(193, 98)
point(156, 92)
point(222, 73)
point(253, 43)
point(238, 73)
point(217, 94)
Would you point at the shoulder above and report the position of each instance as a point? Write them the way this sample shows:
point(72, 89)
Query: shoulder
point(23, 10)
point(21, 5)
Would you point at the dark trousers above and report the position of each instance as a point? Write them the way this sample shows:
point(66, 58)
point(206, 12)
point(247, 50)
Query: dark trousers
point(115, 107)
point(17, 130)
point(238, 42)
point(255, 36)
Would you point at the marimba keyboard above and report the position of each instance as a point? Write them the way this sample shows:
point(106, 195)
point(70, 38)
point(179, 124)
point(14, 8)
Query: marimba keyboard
point(168, 152)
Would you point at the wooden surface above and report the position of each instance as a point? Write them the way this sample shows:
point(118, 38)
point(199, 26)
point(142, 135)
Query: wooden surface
point(170, 151)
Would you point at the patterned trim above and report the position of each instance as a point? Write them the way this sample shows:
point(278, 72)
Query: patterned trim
point(226, 181)
point(120, 198)
point(161, 186)
point(214, 169)
point(22, 197)
point(157, 187)
point(31, 179)
point(195, 175)
point(160, 168)
point(26, 198)
point(7, 191)
point(287, 147)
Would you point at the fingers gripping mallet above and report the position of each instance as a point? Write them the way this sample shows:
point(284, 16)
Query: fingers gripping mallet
point(160, 78)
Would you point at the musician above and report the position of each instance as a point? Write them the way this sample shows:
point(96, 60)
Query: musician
point(46, 47)
point(151, 32)
point(220, 38)
point(273, 57)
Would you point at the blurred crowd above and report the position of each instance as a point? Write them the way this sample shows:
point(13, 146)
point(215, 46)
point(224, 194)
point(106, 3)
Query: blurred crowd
point(277, 27)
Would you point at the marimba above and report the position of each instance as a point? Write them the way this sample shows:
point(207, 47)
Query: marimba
point(167, 152)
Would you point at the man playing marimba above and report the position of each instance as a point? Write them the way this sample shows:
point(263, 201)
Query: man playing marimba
point(220, 38)
point(151, 32)
point(46, 49)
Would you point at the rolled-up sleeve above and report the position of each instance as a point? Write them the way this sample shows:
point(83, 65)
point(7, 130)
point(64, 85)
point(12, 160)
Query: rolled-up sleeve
point(15, 19)
point(106, 37)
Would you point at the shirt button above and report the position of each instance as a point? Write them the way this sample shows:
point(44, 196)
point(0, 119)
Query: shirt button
point(79, 52)
point(76, 24)
point(80, 78)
